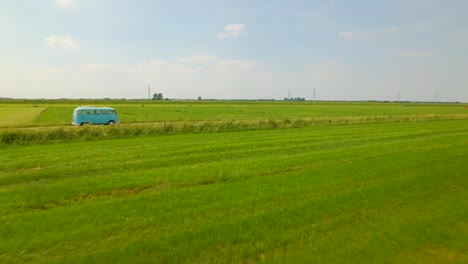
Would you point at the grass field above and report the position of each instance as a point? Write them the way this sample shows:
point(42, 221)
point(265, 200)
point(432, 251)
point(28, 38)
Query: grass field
point(339, 187)
point(13, 116)
point(60, 112)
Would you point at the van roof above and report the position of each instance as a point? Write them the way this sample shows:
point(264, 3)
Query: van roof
point(93, 107)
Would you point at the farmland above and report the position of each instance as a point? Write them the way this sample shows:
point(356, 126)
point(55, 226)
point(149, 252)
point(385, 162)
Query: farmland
point(236, 182)
point(14, 116)
point(57, 112)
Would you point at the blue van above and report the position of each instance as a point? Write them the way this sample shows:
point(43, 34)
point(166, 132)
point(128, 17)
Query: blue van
point(94, 115)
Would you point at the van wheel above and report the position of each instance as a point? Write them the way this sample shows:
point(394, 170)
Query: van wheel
point(111, 122)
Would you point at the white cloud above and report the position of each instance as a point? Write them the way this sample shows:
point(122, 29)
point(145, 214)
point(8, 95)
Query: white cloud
point(231, 31)
point(349, 35)
point(61, 43)
point(66, 3)
point(416, 53)
point(393, 29)
point(200, 59)
point(359, 35)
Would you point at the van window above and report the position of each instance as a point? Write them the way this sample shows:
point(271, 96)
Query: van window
point(97, 112)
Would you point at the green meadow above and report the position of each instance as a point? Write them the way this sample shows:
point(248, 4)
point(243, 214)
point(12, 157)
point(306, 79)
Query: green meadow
point(59, 112)
point(241, 182)
point(12, 116)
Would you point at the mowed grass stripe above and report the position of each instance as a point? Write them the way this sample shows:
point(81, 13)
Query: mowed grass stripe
point(37, 165)
point(189, 144)
point(14, 116)
point(277, 232)
point(355, 199)
point(46, 196)
point(66, 166)
point(203, 170)
point(208, 220)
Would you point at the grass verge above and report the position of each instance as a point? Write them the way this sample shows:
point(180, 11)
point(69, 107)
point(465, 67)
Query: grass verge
point(24, 136)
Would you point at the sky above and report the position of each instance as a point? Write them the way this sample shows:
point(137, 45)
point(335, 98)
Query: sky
point(238, 49)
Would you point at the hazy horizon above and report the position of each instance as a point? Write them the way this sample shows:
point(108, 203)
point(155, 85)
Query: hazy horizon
point(397, 50)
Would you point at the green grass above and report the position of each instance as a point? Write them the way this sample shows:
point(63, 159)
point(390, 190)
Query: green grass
point(14, 116)
point(41, 135)
point(60, 112)
point(358, 193)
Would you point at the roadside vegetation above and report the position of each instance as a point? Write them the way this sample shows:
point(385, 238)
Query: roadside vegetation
point(22, 136)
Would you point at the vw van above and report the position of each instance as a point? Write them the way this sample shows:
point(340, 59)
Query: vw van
point(94, 115)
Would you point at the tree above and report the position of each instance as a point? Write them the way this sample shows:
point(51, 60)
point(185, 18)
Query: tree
point(157, 96)
point(297, 99)
point(199, 98)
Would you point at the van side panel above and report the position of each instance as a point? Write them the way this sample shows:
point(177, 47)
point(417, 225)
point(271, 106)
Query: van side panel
point(94, 115)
